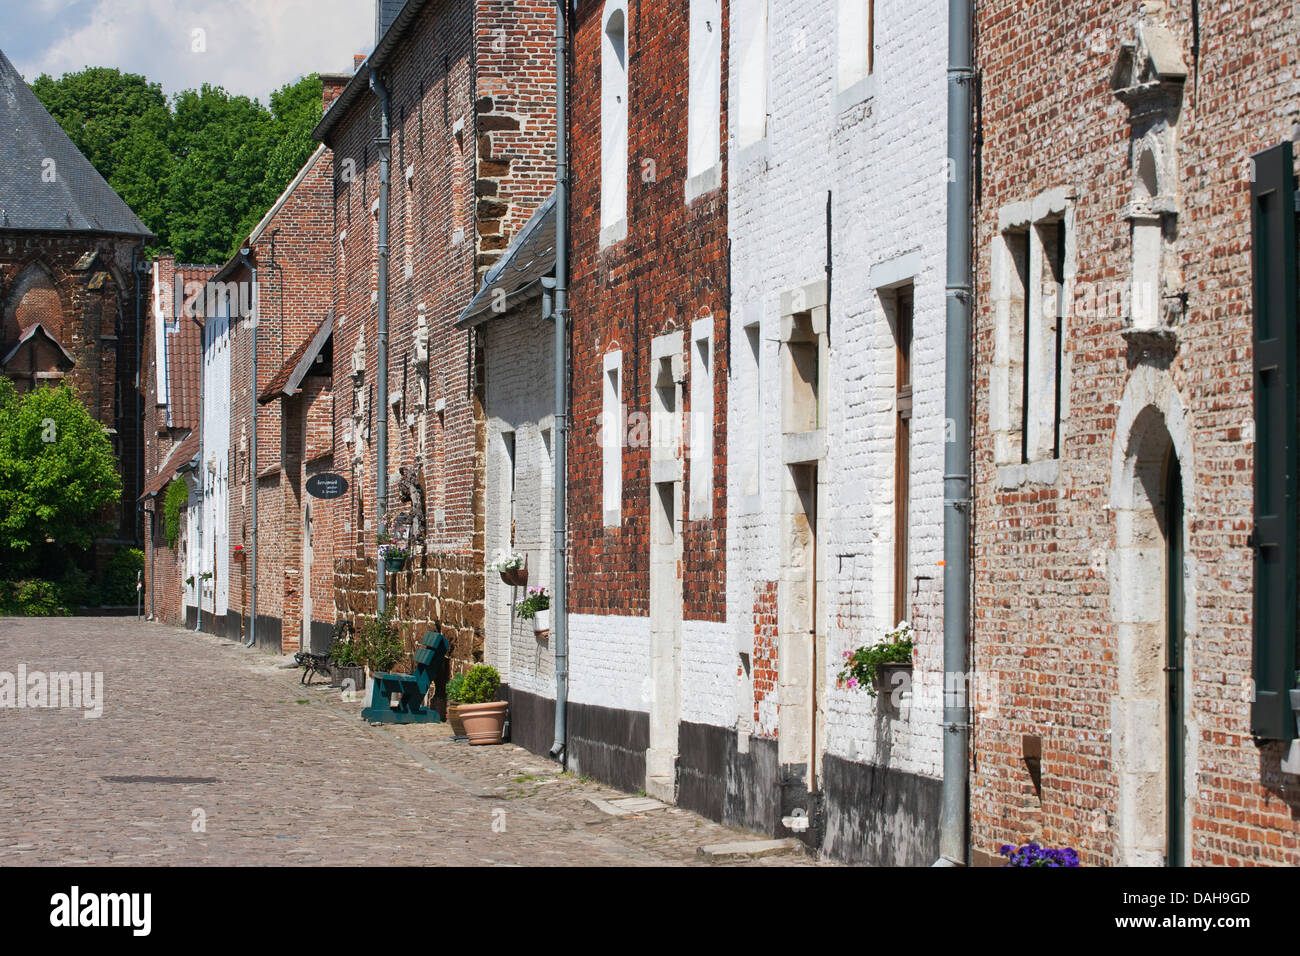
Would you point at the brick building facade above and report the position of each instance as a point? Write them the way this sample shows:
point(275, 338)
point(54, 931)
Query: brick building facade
point(472, 124)
point(1115, 436)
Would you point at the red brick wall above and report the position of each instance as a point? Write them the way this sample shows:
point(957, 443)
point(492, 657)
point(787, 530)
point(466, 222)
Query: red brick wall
point(670, 270)
point(1042, 615)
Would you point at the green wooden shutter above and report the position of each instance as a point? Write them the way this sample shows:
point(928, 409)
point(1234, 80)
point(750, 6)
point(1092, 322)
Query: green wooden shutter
point(1273, 253)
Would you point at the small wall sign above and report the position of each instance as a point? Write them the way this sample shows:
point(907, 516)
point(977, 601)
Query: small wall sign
point(327, 485)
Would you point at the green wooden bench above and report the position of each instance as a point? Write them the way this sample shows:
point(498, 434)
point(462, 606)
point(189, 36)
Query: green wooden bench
point(410, 689)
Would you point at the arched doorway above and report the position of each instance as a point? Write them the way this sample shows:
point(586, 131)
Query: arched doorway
point(1153, 610)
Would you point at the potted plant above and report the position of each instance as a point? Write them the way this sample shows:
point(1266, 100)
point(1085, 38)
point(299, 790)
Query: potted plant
point(345, 660)
point(238, 554)
point(483, 715)
point(512, 566)
point(537, 608)
point(379, 643)
point(455, 691)
point(1034, 854)
point(874, 666)
point(392, 554)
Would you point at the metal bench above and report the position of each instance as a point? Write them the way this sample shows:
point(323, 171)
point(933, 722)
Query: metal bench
point(312, 664)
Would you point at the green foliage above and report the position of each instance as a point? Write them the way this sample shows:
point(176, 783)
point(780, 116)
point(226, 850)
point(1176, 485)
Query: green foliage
point(176, 498)
point(380, 644)
point(538, 599)
point(117, 583)
point(199, 171)
point(32, 598)
point(57, 472)
point(861, 665)
point(481, 684)
point(345, 652)
point(456, 689)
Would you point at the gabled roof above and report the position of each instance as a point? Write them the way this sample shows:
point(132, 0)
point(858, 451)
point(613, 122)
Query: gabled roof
point(182, 455)
point(32, 332)
point(78, 199)
point(360, 82)
point(294, 370)
point(184, 349)
point(528, 259)
point(256, 234)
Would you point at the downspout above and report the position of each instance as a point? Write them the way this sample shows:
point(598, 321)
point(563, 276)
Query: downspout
point(953, 828)
point(202, 505)
point(252, 458)
point(139, 266)
point(559, 585)
point(381, 447)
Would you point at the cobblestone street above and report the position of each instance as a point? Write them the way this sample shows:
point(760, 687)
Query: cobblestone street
point(195, 728)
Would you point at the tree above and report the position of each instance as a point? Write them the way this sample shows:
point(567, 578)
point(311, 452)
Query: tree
point(57, 472)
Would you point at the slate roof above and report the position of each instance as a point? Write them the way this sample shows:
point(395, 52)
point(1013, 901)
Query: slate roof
point(528, 259)
point(79, 200)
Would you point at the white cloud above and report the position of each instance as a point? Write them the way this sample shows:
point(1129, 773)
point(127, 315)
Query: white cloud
point(248, 46)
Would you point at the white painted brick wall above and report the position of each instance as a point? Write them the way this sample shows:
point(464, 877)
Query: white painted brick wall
point(884, 161)
point(708, 674)
point(609, 661)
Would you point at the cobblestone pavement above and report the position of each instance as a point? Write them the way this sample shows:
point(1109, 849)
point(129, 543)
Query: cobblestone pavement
point(198, 729)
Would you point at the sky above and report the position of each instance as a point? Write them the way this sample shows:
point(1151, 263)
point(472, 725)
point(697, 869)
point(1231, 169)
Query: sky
point(250, 47)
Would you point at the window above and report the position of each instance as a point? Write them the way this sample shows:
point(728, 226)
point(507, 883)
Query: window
point(902, 448)
point(1030, 298)
point(752, 423)
point(612, 438)
point(510, 480)
point(701, 419)
point(749, 19)
point(855, 46)
point(613, 125)
point(703, 133)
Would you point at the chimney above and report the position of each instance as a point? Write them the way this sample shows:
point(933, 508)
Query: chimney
point(386, 12)
point(332, 85)
point(357, 60)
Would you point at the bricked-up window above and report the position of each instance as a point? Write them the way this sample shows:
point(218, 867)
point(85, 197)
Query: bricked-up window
point(1030, 295)
point(511, 473)
point(613, 117)
point(701, 419)
point(612, 438)
point(855, 45)
point(704, 95)
point(902, 448)
point(749, 20)
point(752, 422)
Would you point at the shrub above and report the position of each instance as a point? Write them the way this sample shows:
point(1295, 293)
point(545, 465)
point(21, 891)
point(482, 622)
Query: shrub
point(481, 684)
point(32, 598)
point(381, 645)
point(117, 583)
point(456, 689)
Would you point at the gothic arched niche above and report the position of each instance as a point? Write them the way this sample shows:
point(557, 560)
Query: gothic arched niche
point(34, 298)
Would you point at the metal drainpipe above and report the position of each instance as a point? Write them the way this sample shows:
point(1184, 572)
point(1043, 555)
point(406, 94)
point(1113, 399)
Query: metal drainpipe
point(202, 506)
point(381, 448)
point(252, 461)
point(558, 556)
point(953, 829)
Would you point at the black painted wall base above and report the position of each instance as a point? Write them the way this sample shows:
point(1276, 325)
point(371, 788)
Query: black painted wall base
point(862, 814)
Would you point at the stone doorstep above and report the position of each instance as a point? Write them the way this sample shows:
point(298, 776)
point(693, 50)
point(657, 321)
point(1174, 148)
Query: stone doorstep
point(626, 806)
point(750, 848)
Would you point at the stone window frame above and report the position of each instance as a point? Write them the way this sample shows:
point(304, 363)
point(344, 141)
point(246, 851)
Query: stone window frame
point(804, 322)
point(1007, 421)
point(752, 421)
point(703, 408)
point(855, 65)
point(614, 114)
point(612, 438)
point(703, 99)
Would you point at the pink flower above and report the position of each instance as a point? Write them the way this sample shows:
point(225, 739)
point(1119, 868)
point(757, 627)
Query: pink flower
point(846, 655)
point(853, 682)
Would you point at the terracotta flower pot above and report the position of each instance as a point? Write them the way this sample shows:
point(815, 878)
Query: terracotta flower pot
point(484, 723)
point(453, 718)
point(517, 578)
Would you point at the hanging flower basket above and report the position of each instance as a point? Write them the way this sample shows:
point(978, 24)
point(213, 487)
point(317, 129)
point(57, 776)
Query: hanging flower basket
point(394, 562)
point(512, 566)
point(238, 554)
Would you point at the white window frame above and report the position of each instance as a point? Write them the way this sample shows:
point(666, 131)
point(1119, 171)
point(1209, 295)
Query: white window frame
point(612, 431)
point(855, 51)
point(704, 99)
point(749, 20)
point(702, 414)
point(613, 122)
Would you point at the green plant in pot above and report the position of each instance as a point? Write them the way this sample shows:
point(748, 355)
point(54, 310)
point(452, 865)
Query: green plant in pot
point(483, 715)
point(345, 659)
point(379, 643)
point(874, 666)
point(455, 698)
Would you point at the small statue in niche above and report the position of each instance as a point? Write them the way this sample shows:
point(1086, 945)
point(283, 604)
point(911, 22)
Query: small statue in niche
point(422, 357)
point(359, 355)
point(410, 490)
